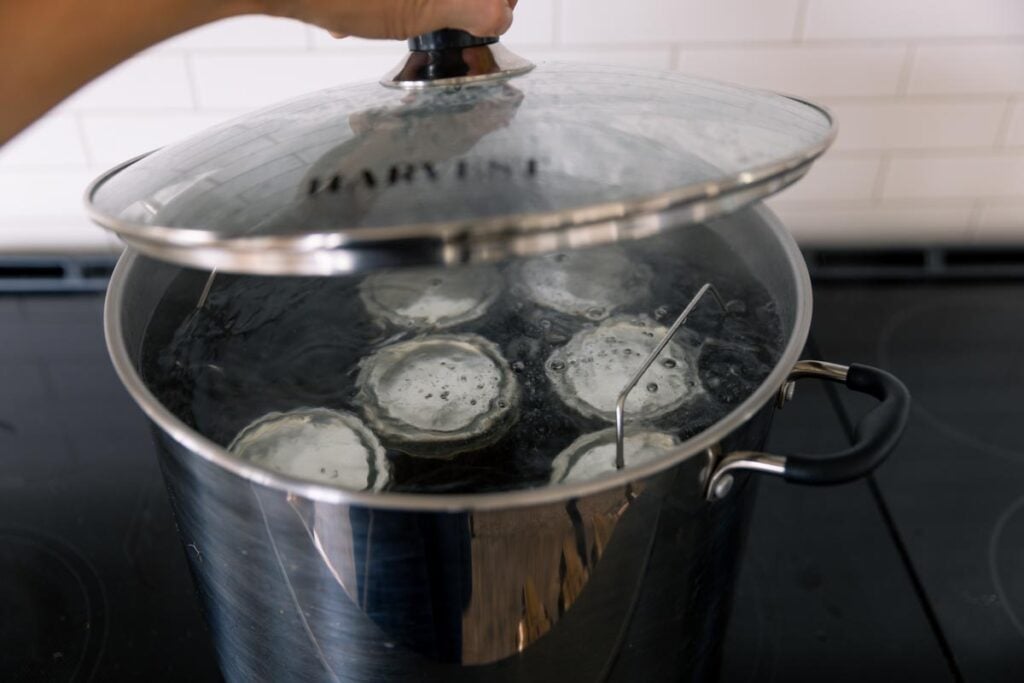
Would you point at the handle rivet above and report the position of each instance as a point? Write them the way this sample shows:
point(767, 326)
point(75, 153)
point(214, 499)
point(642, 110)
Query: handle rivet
point(723, 486)
point(786, 393)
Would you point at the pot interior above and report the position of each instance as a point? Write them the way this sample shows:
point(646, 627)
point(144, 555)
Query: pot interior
point(222, 352)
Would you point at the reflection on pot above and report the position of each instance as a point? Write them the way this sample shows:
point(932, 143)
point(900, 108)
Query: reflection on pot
point(481, 587)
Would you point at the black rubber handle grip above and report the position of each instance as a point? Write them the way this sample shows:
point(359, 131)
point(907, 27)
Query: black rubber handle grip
point(874, 438)
point(447, 39)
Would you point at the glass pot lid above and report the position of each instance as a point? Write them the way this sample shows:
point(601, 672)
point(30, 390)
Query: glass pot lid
point(465, 153)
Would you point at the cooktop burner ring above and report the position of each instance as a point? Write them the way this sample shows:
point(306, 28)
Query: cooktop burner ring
point(1010, 514)
point(915, 318)
point(55, 606)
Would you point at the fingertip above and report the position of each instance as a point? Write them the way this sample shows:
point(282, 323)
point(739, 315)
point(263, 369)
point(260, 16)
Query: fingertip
point(507, 19)
point(489, 19)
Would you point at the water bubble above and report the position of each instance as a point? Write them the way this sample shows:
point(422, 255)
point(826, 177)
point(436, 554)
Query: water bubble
point(557, 365)
point(627, 352)
point(736, 306)
point(545, 324)
point(595, 313)
point(472, 401)
point(652, 387)
point(429, 396)
point(669, 363)
point(445, 395)
point(502, 403)
point(517, 366)
point(660, 312)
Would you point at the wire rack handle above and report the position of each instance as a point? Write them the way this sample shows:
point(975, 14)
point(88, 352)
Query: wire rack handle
point(620, 405)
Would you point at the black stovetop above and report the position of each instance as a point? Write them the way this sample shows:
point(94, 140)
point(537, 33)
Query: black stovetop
point(917, 571)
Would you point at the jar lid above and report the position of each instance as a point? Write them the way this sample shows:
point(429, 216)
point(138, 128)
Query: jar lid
point(438, 395)
point(463, 154)
point(431, 298)
point(593, 455)
point(316, 444)
point(590, 371)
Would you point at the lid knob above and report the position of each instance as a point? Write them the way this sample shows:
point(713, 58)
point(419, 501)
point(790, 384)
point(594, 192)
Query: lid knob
point(447, 39)
point(451, 57)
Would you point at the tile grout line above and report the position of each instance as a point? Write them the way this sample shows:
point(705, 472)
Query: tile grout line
point(974, 220)
point(190, 76)
point(878, 188)
point(556, 22)
point(800, 25)
point(1008, 152)
point(936, 98)
point(674, 58)
point(866, 43)
point(1003, 132)
point(903, 84)
point(931, 152)
point(83, 139)
point(890, 523)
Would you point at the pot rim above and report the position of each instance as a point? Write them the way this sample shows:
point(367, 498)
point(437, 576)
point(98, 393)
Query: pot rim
point(219, 456)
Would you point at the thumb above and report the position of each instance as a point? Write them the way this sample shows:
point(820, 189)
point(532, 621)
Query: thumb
point(479, 17)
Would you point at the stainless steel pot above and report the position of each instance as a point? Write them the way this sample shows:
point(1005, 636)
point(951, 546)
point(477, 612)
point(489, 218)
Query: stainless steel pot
point(621, 578)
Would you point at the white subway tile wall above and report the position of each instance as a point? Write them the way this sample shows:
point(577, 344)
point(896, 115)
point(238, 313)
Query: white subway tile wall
point(929, 95)
point(811, 71)
point(873, 19)
point(969, 68)
point(1015, 127)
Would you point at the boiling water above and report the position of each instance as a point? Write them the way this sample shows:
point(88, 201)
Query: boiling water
point(262, 345)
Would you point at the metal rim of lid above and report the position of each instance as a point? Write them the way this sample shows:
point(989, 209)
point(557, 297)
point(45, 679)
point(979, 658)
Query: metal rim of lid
point(338, 252)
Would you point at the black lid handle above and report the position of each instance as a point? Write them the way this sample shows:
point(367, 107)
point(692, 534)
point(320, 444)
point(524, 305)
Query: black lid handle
point(447, 39)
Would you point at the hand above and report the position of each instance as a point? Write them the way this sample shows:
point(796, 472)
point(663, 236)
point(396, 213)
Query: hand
point(48, 48)
point(395, 18)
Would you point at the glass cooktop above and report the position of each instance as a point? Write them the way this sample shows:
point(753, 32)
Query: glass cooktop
point(916, 572)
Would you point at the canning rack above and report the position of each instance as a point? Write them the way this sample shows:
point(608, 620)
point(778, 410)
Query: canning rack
point(620, 404)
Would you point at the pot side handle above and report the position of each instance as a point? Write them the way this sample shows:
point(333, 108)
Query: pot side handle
point(874, 438)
